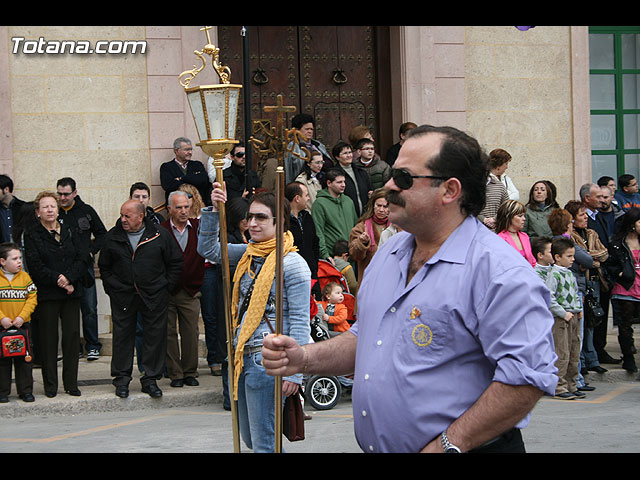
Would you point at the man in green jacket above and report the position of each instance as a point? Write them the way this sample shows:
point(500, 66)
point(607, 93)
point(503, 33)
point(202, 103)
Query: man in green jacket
point(333, 213)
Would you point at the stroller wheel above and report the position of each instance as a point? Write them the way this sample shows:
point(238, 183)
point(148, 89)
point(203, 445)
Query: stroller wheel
point(323, 393)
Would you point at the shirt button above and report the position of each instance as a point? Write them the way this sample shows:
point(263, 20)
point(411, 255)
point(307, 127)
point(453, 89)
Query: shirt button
point(371, 448)
point(393, 309)
point(364, 413)
point(379, 342)
point(366, 376)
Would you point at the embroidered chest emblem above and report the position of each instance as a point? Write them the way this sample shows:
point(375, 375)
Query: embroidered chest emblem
point(421, 334)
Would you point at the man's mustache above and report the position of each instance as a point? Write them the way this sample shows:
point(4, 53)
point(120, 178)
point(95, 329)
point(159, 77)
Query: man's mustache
point(395, 198)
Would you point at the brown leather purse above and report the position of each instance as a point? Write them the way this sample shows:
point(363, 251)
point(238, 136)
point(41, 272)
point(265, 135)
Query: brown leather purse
point(293, 418)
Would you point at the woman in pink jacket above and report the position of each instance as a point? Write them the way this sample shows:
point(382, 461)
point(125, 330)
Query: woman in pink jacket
point(509, 225)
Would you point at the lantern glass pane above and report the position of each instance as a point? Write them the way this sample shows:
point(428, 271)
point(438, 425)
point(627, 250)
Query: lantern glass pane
point(233, 112)
point(198, 114)
point(215, 103)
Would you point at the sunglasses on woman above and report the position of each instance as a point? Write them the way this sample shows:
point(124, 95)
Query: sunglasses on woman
point(404, 180)
point(259, 217)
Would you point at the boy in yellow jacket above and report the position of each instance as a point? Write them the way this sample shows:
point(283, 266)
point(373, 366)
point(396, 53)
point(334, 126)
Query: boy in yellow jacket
point(18, 299)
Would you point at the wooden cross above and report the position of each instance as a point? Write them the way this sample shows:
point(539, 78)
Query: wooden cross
point(280, 137)
point(280, 110)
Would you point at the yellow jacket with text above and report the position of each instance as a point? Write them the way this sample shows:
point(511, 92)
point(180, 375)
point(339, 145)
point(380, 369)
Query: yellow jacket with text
point(18, 297)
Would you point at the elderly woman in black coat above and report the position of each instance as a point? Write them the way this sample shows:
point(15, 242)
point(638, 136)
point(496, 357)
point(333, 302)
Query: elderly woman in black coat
point(57, 263)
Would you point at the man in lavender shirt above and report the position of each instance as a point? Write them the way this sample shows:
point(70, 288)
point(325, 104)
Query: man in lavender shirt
point(453, 346)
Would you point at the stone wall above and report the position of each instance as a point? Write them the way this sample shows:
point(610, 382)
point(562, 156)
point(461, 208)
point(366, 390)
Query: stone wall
point(519, 97)
point(83, 116)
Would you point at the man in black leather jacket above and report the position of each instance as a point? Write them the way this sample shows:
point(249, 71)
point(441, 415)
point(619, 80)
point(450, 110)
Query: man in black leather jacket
point(140, 265)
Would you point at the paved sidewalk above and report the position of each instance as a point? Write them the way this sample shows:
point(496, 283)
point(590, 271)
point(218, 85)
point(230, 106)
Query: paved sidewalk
point(98, 393)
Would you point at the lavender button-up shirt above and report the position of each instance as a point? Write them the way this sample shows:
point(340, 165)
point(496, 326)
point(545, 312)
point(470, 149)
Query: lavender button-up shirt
point(475, 313)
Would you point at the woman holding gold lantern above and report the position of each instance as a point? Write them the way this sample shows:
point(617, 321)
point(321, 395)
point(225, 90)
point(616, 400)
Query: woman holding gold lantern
point(253, 310)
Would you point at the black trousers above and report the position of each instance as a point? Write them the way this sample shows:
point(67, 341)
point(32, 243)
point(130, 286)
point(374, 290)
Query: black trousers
point(154, 340)
point(50, 313)
point(509, 442)
point(24, 377)
point(600, 331)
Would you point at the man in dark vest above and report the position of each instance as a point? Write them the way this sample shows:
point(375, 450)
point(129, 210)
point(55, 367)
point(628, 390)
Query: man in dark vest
point(184, 302)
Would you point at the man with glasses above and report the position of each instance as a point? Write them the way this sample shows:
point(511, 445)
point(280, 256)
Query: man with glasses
point(453, 344)
point(182, 169)
point(239, 181)
point(87, 227)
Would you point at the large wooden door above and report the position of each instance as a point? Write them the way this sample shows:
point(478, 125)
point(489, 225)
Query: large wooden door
point(333, 73)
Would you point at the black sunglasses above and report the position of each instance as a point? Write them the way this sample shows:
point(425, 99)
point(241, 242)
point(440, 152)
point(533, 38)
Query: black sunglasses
point(260, 217)
point(238, 154)
point(404, 180)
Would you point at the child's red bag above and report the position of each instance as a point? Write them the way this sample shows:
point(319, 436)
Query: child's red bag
point(14, 342)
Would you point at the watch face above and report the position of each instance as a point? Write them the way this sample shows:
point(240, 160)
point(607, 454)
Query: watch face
point(452, 449)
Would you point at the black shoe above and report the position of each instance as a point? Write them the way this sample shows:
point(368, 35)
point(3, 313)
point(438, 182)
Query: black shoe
point(178, 382)
point(74, 393)
point(152, 389)
point(50, 394)
point(27, 397)
point(604, 357)
point(191, 381)
point(598, 369)
point(4, 399)
point(579, 394)
point(564, 396)
point(586, 388)
point(122, 391)
point(630, 365)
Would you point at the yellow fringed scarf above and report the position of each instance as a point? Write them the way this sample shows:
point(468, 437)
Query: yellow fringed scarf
point(259, 297)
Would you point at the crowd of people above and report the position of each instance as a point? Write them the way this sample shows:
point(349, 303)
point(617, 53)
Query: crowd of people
point(163, 274)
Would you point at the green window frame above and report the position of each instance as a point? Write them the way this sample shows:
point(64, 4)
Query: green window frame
point(616, 154)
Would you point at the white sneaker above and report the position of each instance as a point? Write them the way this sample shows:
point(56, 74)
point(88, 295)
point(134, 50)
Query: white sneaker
point(93, 355)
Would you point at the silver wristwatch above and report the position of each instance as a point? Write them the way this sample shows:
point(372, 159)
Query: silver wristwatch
point(447, 446)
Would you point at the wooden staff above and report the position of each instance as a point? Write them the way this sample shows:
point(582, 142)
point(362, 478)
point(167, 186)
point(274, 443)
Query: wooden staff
point(280, 109)
point(279, 297)
point(276, 143)
point(218, 163)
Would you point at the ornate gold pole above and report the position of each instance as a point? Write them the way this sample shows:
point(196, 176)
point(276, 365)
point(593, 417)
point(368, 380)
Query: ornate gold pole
point(218, 163)
point(216, 143)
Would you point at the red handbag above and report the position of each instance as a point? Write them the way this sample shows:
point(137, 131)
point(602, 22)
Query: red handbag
point(14, 342)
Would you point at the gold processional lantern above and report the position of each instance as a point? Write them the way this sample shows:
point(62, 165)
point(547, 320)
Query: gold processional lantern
point(214, 107)
point(215, 112)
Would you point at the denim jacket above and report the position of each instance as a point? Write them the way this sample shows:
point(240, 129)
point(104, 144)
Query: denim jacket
point(296, 293)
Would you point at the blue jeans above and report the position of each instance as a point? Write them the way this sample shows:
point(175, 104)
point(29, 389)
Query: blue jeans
point(89, 309)
point(256, 414)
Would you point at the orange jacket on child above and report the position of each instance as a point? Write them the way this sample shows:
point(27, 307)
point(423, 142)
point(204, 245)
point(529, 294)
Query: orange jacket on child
point(338, 321)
